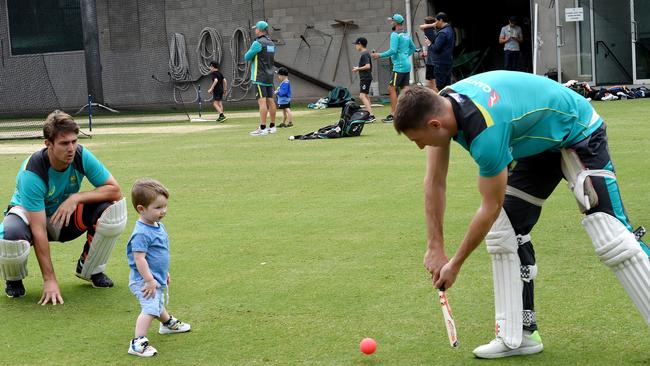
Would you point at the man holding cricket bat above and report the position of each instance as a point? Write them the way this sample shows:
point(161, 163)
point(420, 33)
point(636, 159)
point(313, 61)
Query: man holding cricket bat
point(526, 133)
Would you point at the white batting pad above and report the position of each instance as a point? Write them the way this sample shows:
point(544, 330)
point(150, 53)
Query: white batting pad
point(618, 249)
point(13, 259)
point(506, 273)
point(109, 227)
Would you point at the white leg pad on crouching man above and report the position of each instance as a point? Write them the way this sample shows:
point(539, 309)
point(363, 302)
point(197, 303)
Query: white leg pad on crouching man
point(13, 259)
point(618, 249)
point(109, 227)
point(506, 273)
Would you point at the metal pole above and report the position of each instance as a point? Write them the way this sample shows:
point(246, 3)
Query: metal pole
point(198, 97)
point(90, 113)
point(91, 50)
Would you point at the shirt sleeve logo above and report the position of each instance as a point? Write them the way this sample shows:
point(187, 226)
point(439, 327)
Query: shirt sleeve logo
point(494, 98)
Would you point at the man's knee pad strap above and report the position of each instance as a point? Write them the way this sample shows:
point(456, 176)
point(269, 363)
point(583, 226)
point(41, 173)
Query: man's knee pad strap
point(618, 249)
point(109, 227)
point(506, 274)
point(579, 181)
point(13, 259)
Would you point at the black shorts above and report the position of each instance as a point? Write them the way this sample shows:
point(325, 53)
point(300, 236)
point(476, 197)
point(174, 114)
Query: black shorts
point(83, 220)
point(263, 91)
point(217, 95)
point(399, 79)
point(538, 175)
point(284, 106)
point(430, 73)
point(364, 86)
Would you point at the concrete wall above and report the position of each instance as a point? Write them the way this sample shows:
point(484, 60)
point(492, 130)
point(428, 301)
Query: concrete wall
point(134, 37)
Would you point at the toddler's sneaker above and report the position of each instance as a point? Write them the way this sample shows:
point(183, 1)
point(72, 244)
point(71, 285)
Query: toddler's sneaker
point(140, 347)
point(173, 325)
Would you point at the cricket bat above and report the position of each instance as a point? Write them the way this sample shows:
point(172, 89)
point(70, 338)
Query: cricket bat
point(449, 320)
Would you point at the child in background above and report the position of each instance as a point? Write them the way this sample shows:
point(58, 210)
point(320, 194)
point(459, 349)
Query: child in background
point(365, 74)
point(148, 256)
point(217, 88)
point(284, 97)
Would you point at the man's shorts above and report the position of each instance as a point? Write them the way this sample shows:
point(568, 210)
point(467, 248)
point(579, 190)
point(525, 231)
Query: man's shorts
point(430, 73)
point(399, 79)
point(364, 86)
point(262, 91)
point(284, 106)
point(442, 75)
point(153, 306)
point(217, 95)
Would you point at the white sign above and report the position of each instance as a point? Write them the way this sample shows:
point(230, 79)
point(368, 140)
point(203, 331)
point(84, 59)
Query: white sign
point(574, 15)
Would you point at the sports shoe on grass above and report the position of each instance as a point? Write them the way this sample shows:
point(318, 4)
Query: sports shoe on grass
point(173, 325)
point(371, 118)
point(222, 117)
point(260, 132)
point(99, 280)
point(273, 129)
point(15, 288)
point(290, 124)
point(531, 343)
point(282, 125)
point(388, 119)
point(140, 347)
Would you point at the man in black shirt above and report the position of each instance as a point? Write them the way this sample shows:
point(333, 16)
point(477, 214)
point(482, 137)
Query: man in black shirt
point(365, 74)
point(219, 84)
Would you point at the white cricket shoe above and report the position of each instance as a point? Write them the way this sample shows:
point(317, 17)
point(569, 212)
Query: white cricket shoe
point(531, 343)
point(140, 347)
point(273, 129)
point(260, 132)
point(174, 326)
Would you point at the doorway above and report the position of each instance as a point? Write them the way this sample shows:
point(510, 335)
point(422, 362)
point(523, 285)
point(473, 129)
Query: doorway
point(478, 25)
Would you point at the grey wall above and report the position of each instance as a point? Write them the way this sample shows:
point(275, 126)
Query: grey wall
point(134, 37)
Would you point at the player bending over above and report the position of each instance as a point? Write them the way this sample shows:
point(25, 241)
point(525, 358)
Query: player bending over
point(548, 135)
point(148, 256)
point(47, 206)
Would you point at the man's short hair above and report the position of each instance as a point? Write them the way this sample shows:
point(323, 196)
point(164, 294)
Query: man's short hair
point(145, 191)
point(415, 106)
point(214, 64)
point(442, 16)
point(59, 122)
point(429, 19)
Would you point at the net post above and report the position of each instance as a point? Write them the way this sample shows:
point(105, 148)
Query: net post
point(198, 97)
point(90, 112)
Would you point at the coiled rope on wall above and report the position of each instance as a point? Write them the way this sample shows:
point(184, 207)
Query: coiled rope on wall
point(209, 49)
point(179, 66)
point(239, 44)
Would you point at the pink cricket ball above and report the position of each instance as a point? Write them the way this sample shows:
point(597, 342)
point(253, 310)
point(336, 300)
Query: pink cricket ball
point(368, 346)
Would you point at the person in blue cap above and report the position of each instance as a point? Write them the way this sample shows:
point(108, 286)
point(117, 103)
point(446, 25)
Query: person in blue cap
point(400, 51)
point(261, 54)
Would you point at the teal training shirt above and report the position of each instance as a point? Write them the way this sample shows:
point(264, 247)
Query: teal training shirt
point(39, 187)
point(400, 51)
point(508, 115)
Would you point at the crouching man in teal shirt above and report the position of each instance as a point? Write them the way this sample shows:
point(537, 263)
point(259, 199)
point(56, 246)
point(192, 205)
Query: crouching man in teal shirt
point(47, 206)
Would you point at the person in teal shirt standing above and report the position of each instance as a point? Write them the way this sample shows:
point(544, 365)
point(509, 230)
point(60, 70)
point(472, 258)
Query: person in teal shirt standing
point(526, 133)
point(400, 51)
point(47, 206)
point(261, 54)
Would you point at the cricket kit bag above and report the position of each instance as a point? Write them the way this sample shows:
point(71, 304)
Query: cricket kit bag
point(350, 124)
point(338, 97)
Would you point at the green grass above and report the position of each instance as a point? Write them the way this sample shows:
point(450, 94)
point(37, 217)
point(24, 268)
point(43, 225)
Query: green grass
point(339, 226)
